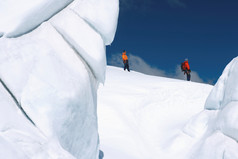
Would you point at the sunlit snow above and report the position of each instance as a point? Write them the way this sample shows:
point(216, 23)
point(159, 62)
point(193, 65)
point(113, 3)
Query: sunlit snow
point(51, 61)
point(143, 116)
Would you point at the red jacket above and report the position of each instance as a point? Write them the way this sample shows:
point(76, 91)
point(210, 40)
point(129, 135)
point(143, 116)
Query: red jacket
point(186, 65)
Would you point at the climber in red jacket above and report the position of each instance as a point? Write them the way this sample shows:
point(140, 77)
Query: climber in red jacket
point(186, 69)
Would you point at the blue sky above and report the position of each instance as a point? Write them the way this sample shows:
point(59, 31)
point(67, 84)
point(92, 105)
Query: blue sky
point(162, 33)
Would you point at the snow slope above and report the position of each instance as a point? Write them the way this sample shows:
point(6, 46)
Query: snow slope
point(143, 117)
point(52, 57)
point(218, 123)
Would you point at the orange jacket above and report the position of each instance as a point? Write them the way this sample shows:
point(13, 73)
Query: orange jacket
point(124, 57)
point(186, 65)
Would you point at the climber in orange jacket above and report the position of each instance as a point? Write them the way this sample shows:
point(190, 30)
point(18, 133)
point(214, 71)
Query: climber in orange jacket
point(125, 61)
point(186, 69)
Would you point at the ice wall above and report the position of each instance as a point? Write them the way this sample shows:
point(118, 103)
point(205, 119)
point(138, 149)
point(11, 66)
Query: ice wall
point(51, 69)
point(25, 15)
point(215, 130)
point(19, 139)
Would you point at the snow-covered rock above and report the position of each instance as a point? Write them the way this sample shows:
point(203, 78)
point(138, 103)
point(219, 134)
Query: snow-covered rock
point(50, 71)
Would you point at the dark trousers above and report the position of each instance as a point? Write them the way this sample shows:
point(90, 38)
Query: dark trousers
point(188, 75)
point(126, 65)
point(101, 154)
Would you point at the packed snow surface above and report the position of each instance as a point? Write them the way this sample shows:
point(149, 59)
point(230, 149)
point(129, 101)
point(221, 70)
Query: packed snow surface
point(141, 116)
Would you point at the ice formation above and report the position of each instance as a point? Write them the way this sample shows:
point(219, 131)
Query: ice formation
point(157, 117)
point(216, 128)
point(52, 57)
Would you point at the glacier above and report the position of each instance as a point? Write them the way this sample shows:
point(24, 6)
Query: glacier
point(156, 117)
point(219, 128)
point(52, 61)
point(52, 58)
point(142, 116)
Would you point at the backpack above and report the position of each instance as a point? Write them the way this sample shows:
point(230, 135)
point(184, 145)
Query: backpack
point(183, 68)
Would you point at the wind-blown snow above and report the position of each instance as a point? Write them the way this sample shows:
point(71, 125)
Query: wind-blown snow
point(51, 70)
